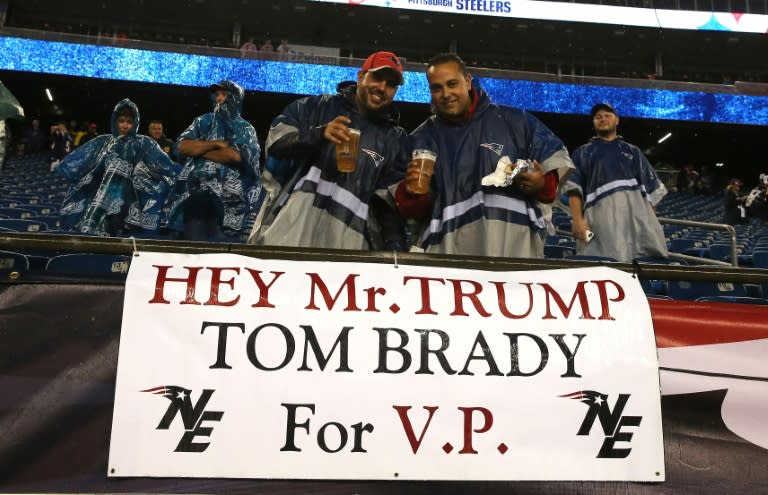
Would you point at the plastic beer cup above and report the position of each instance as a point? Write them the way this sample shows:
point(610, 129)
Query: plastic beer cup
point(346, 152)
point(426, 160)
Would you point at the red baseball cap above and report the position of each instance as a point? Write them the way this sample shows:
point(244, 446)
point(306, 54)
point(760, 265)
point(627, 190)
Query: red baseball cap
point(384, 60)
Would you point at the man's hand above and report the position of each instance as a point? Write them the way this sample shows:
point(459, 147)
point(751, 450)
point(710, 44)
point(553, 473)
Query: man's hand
point(337, 130)
point(412, 174)
point(531, 182)
point(580, 229)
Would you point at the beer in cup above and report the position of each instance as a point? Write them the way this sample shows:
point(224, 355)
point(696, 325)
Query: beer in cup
point(426, 160)
point(346, 152)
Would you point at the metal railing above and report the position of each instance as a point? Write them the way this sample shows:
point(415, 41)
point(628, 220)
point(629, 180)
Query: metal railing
point(65, 244)
point(705, 225)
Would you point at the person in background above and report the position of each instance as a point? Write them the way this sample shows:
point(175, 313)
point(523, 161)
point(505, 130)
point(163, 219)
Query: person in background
point(613, 193)
point(733, 203)
point(249, 48)
point(78, 132)
point(92, 132)
point(219, 189)
point(5, 138)
point(688, 179)
point(60, 144)
point(155, 131)
point(119, 181)
point(474, 139)
point(34, 138)
point(283, 50)
point(327, 208)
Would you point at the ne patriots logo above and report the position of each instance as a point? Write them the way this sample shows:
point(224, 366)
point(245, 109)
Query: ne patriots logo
point(496, 148)
point(611, 421)
point(377, 158)
point(192, 415)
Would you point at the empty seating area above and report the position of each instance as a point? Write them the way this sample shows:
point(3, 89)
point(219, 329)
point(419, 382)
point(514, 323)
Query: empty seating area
point(751, 237)
point(30, 195)
point(30, 198)
point(698, 242)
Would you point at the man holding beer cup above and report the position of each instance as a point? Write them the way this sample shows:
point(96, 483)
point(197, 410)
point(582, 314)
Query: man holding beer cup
point(477, 202)
point(331, 160)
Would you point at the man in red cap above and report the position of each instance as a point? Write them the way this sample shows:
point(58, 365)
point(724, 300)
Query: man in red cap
point(312, 203)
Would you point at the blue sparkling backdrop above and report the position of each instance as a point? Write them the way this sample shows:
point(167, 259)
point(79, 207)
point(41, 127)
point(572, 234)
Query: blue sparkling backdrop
point(131, 64)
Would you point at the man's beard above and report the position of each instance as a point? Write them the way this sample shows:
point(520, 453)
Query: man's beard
point(372, 112)
point(605, 132)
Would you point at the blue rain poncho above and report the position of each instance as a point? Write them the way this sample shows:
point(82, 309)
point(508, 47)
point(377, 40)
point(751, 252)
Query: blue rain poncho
point(237, 193)
point(619, 189)
point(325, 208)
point(116, 175)
point(471, 219)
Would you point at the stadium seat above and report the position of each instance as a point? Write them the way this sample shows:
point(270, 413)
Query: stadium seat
point(720, 252)
point(658, 260)
point(557, 252)
point(586, 257)
point(760, 259)
point(16, 212)
point(24, 198)
point(691, 291)
point(113, 265)
point(12, 263)
point(656, 287)
point(659, 297)
point(52, 221)
point(42, 209)
point(682, 244)
point(25, 225)
point(733, 299)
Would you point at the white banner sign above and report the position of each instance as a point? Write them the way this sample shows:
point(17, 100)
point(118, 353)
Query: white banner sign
point(239, 367)
point(582, 12)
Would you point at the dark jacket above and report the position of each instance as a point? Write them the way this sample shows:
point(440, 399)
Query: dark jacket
point(166, 144)
point(328, 208)
point(467, 217)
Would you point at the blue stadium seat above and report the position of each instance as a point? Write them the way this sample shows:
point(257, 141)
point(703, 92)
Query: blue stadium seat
point(682, 244)
point(43, 209)
point(25, 225)
point(753, 290)
point(12, 263)
point(760, 258)
point(691, 291)
point(557, 252)
point(30, 199)
point(720, 252)
point(659, 297)
point(656, 287)
point(52, 221)
point(112, 265)
point(658, 260)
point(734, 299)
point(586, 257)
point(16, 212)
